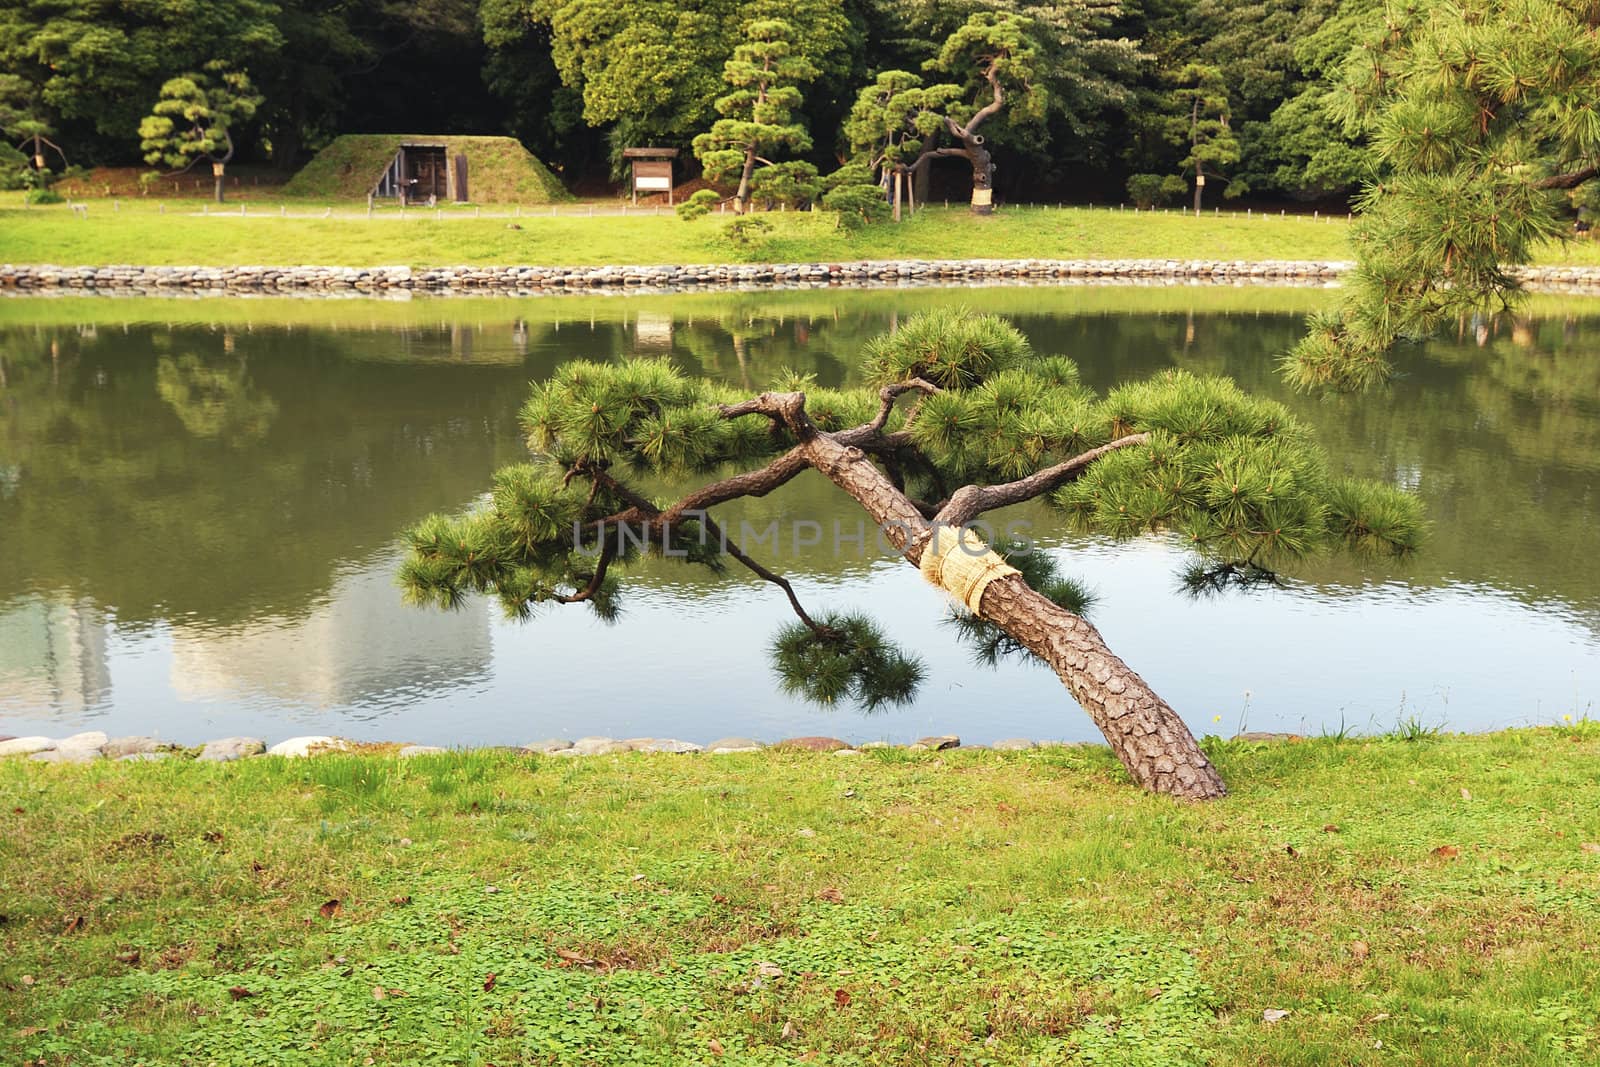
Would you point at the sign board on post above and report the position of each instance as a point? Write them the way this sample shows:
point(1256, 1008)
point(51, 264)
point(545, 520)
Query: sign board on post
point(652, 170)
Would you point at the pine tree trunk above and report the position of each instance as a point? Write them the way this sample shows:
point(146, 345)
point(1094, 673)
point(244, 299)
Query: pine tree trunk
point(982, 176)
point(1146, 734)
point(741, 199)
point(217, 181)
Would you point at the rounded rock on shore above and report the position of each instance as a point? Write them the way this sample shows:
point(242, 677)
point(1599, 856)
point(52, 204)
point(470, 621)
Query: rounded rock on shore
point(667, 744)
point(1013, 744)
point(734, 744)
point(553, 745)
point(936, 744)
point(119, 747)
point(811, 744)
point(228, 749)
point(408, 751)
point(25, 746)
point(300, 747)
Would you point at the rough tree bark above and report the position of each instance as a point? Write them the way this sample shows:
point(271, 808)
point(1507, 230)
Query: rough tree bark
point(1142, 729)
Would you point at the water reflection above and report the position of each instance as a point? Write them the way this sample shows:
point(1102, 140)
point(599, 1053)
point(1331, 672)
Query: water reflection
point(204, 514)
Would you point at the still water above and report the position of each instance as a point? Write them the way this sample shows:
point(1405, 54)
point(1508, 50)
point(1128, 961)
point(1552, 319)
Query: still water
point(200, 503)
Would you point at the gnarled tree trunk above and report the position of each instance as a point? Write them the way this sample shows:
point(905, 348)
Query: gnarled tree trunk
point(1142, 729)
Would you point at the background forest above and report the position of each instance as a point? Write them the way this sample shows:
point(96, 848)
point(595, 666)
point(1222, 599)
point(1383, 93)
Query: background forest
point(1142, 87)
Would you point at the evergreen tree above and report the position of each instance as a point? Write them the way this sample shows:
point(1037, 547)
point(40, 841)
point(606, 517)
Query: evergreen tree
point(988, 425)
point(194, 120)
point(22, 119)
point(899, 125)
point(1482, 118)
point(1201, 123)
point(758, 116)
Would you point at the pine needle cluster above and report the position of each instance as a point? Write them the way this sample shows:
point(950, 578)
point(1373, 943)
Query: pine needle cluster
point(1481, 117)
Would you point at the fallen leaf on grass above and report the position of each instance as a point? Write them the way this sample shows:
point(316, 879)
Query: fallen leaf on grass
point(1272, 1015)
point(380, 993)
point(130, 957)
point(1359, 949)
point(400, 901)
point(831, 895)
point(715, 1046)
point(329, 909)
point(568, 958)
point(239, 992)
point(768, 969)
point(213, 836)
point(1292, 851)
point(1331, 828)
point(488, 984)
point(1590, 846)
point(30, 1031)
point(1448, 852)
point(73, 926)
point(841, 998)
point(1466, 794)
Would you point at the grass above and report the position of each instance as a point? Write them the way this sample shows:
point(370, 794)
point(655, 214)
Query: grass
point(138, 232)
point(1420, 902)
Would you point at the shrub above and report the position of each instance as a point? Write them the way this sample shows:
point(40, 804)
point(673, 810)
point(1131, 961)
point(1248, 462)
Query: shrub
point(857, 205)
point(747, 231)
point(699, 204)
point(1149, 190)
point(793, 185)
point(45, 196)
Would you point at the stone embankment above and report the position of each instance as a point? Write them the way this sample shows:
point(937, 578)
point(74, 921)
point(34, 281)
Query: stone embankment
point(528, 279)
point(95, 745)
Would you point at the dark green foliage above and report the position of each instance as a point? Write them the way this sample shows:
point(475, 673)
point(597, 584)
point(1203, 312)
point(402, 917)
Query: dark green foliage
point(848, 661)
point(1150, 190)
point(700, 202)
point(792, 185)
point(857, 205)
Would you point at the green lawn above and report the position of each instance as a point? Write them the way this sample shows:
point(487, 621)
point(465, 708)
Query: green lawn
point(137, 234)
point(1427, 901)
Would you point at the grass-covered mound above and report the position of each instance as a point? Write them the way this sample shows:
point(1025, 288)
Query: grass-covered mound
point(499, 169)
point(1423, 901)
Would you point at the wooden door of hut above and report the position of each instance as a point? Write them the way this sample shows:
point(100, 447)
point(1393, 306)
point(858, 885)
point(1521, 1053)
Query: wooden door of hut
point(428, 173)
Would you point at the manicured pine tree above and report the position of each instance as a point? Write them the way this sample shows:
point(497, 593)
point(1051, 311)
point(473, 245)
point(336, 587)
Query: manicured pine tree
point(22, 117)
point(900, 124)
point(958, 418)
point(194, 120)
point(1202, 123)
point(1481, 117)
point(758, 116)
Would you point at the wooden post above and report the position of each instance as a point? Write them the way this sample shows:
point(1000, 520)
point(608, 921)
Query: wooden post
point(898, 177)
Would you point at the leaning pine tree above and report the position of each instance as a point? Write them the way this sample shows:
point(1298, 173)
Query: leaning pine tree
point(758, 115)
point(958, 417)
point(1482, 122)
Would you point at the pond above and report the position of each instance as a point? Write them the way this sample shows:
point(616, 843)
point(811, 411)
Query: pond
point(200, 504)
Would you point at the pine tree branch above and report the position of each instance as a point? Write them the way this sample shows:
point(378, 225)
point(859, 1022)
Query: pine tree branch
point(597, 579)
point(766, 575)
point(970, 501)
point(1570, 180)
point(890, 393)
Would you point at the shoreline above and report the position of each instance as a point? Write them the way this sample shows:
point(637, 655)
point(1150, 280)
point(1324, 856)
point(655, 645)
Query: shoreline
point(94, 746)
point(528, 280)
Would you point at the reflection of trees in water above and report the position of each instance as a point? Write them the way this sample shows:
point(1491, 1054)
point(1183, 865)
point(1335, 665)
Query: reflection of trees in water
point(102, 476)
point(214, 401)
point(113, 493)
